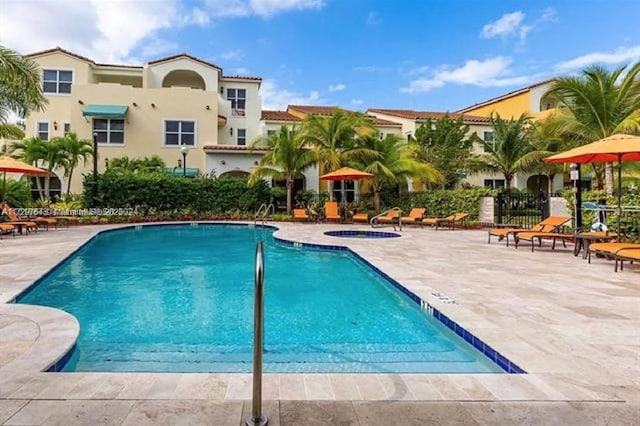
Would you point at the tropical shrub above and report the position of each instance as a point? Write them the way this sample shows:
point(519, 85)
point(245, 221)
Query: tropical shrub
point(150, 193)
point(18, 193)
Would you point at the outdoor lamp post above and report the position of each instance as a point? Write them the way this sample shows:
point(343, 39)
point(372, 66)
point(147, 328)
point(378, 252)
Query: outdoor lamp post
point(94, 190)
point(184, 150)
point(577, 185)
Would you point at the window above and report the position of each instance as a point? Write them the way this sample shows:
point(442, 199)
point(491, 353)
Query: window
point(43, 130)
point(66, 128)
point(271, 133)
point(109, 130)
point(238, 98)
point(489, 140)
point(494, 183)
point(57, 81)
point(242, 136)
point(177, 133)
point(346, 187)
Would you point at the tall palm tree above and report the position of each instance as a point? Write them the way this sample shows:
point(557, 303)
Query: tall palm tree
point(76, 150)
point(20, 87)
point(393, 162)
point(10, 131)
point(55, 157)
point(598, 103)
point(506, 153)
point(288, 157)
point(333, 138)
point(32, 151)
point(547, 138)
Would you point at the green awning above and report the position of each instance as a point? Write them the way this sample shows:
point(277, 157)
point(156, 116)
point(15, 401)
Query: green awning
point(179, 171)
point(105, 111)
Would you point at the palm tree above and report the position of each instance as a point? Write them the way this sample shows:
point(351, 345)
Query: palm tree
point(150, 164)
point(393, 162)
point(20, 87)
point(32, 151)
point(75, 150)
point(334, 137)
point(547, 138)
point(506, 153)
point(287, 158)
point(123, 164)
point(598, 103)
point(55, 157)
point(10, 131)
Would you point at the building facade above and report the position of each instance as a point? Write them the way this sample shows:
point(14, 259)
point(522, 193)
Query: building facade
point(154, 109)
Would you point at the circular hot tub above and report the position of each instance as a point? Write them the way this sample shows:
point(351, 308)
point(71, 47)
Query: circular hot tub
point(362, 234)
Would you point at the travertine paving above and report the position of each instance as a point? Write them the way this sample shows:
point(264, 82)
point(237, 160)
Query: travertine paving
point(574, 327)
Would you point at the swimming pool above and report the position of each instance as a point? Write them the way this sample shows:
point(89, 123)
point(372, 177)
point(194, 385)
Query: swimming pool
point(180, 299)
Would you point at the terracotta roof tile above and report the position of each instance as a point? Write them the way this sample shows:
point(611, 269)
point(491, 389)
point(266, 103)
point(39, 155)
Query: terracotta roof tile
point(315, 109)
point(382, 122)
point(506, 95)
point(241, 77)
point(233, 148)
point(423, 115)
point(278, 116)
point(184, 55)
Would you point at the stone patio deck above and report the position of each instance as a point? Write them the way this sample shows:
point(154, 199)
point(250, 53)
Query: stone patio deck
point(574, 327)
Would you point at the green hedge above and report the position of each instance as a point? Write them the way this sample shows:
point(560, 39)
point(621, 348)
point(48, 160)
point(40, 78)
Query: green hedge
point(630, 221)
point(159, 192)
point(18, 193)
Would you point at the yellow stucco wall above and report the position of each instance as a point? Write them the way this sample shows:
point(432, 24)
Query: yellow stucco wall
point(511, 107)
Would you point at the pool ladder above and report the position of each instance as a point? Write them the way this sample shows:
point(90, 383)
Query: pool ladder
point(257, 418)
point(263, 213)
point(374, 220)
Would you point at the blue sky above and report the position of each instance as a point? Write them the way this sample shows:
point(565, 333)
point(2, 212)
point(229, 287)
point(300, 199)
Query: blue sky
point(432, 55)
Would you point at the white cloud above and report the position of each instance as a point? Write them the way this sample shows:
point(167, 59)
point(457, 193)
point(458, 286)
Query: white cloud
point(621, 54)
point(419, 70)
point(357, 101)
point(104, 31)
point(275, 97)
point(263, 8)
point(549, 15)
point(337, 87)
point(240, 71)
point(492, 72)
point(233, 55)
point(508, 24)
point(373, 19)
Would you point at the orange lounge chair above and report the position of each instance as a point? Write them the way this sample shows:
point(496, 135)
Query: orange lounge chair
point(450, 220)
point(415, 217)
point(629, 254)
point(609, 249)
point(15, 220)
point(300, 215)
point(360, 217)
point(532, 236)
point(7, 228)
point(550, 224)
point(38, 221)
point(331, 212)
point(391, 217)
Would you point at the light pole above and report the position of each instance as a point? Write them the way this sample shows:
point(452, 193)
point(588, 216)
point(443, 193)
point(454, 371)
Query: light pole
point(94, 201)
point(184, 150)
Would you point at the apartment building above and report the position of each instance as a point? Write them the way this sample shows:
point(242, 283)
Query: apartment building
point(153, 109)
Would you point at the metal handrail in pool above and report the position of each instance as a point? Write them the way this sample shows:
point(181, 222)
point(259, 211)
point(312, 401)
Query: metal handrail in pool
point(374, 220)
point(257, 418)
point(263, 212)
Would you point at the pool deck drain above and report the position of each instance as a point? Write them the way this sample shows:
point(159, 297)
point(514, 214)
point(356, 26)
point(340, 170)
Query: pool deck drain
point(574, 327)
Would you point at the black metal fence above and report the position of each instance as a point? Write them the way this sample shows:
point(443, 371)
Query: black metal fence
point(522, 209)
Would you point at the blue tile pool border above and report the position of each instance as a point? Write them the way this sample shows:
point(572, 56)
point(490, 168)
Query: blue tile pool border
point(362, 234)
point(503, 362)
point(496, 357)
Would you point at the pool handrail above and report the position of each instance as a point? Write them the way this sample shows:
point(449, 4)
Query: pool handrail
point(257, 418)
point(374, 220)
point(263, 212)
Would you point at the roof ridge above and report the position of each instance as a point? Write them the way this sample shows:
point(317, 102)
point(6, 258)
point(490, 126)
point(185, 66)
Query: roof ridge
point(506, 95)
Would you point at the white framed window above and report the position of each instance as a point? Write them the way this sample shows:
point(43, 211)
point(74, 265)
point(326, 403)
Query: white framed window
point(57, 81)
point(242, 136)
point(179, 133)
point(489, 139)
point(346, 188)
point(238, 98)
point(494, 183)
point(42, 130)
point(66, 128)
point(109, 131)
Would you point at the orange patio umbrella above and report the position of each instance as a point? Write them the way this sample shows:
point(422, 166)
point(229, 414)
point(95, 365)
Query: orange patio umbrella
point(11, 165)
point(346, 173)
point(612, 149)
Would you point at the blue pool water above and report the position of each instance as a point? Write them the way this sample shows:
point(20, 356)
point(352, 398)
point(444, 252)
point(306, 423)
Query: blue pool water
point(180, 298)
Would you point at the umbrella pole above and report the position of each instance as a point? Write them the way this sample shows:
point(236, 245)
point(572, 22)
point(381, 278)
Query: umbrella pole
point(4, 187)
point(619, 195)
